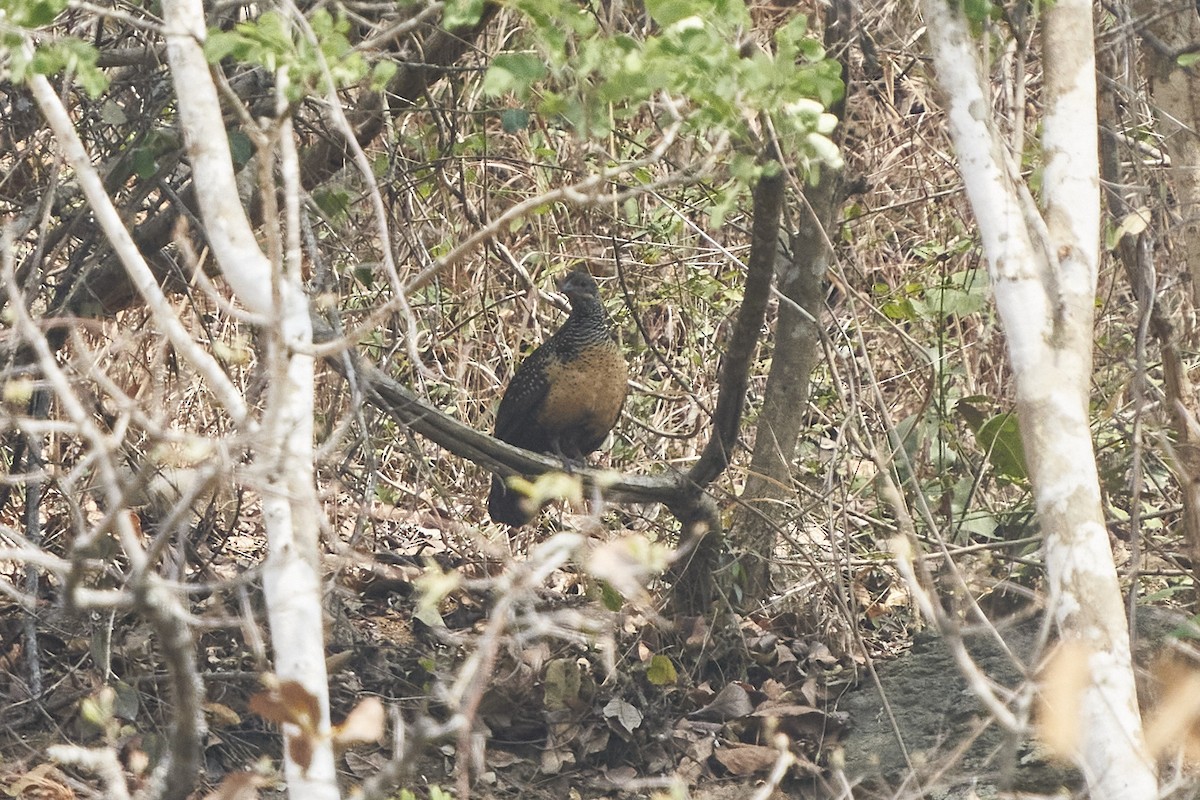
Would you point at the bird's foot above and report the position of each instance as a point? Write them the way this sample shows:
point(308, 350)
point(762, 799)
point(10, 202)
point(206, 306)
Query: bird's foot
point(572, 462)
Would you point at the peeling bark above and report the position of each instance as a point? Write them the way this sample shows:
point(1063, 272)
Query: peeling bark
point(1043, 266)
point(283, 444)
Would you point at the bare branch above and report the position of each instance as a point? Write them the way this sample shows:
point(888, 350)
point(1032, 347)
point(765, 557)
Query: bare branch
point(139, 272)
point(228, 230)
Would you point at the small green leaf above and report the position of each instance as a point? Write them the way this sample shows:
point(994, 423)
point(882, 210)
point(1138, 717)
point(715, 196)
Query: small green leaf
point(72, 56)
point(430, 617)
point(513, 72)
point(462, 13)
point(999, 437)
point(563, 682)
point(334, 203)
point(610, 598)
point(661, 671)
point(32, 13)
point(220, 44)
point(514, 119)
point(668, 12)
point(126, 702)
point(240, 147)
point(978, 11)
point(97, 710)
point(111, 113)
point(1131, 225)
point(434, 586)
point(382, 74)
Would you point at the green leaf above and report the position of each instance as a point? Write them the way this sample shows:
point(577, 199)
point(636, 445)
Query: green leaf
point(514, 119)
point(999, 437)
point(978, 11)
point(126, 703)
point(145, 162)
point(668, 12)
point(97, 709)
point(221, 44)
point(591, 81)
point(240, 147)
point(335, 203)
point(1131, 225)
point(979, 524)
point(32, 13)
point(610, 598)
point(562, 684)
point(661, 671)
point(382, 74)
point(900, 309)
point(513, 72)
point(434, 586)
point(73, 56)
point(462, 13)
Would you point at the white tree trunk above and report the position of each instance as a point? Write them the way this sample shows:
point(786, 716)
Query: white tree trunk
point(1043, 268)
point(284, 450)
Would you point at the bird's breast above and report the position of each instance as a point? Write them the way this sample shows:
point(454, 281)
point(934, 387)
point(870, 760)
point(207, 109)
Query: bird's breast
point(586, 392)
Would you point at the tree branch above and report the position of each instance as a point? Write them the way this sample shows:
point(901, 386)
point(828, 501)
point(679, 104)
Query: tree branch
point(735, 366)
point(392, 397)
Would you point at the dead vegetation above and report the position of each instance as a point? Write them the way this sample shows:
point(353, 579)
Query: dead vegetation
point(568, 678)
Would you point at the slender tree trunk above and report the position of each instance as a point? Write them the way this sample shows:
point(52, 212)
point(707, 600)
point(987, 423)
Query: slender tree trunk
point(1173, 28)
point(283, 450)
point(1043, 266)
point(768, 497)
point(1175, 95)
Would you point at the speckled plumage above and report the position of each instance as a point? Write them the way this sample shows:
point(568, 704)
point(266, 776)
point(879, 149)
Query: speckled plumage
point(566, 396)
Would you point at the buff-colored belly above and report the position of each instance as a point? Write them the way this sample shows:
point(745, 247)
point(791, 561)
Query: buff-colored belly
point(586, 394)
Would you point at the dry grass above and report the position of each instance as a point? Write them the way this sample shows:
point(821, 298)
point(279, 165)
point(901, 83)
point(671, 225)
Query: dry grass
point(392, 498)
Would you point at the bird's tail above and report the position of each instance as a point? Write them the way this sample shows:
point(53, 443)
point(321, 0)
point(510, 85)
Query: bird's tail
point(505, 505)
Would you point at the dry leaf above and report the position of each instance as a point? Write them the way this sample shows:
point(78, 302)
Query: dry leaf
point(300, 749)
point(1063, 681)
point(553, 760)
point(237, 786)
point(732, 702)
point(746, 759)
point(289, 702)
point(221, 715)
point(39, 783)
point(785, 710)
point(364, 724)
point(623, 714)
point(1172, 721)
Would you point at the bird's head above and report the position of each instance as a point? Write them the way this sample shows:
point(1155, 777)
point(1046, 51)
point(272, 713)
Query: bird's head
point(579, 284)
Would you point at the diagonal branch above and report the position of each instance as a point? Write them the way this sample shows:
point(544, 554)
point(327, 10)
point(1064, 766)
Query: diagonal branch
point(394, 398)
point(735, 366)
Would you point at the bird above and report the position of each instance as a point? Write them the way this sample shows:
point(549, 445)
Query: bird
point(565, 397)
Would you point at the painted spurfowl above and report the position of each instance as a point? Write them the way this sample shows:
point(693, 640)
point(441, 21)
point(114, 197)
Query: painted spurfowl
point(565, 396)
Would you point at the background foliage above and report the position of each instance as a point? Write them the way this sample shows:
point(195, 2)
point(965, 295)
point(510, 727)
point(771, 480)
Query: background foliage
point(673, 102)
